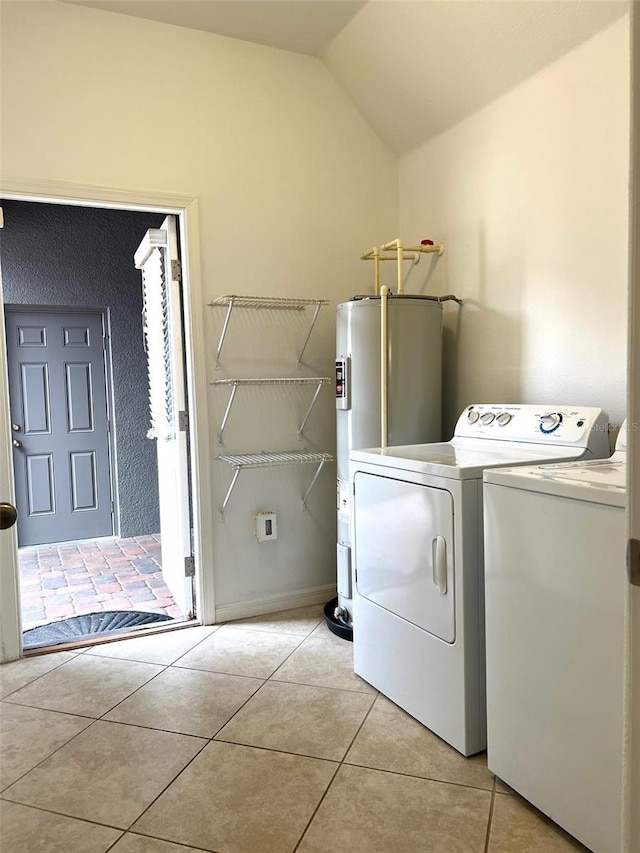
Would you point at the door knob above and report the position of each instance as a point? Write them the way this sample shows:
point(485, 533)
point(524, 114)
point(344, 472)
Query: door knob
point(8, 515)
point(15, 427)
point(16, 443)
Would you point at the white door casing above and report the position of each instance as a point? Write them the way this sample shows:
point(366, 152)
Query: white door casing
point(10, 621)
point(632, 757)
point(157, 258)
point(63, 192)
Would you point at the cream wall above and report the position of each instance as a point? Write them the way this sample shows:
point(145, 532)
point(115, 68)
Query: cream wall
point(530, 196)
point(283, 167)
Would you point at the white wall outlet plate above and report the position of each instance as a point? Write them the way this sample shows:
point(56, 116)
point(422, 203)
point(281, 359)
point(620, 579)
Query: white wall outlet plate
point(266, 526)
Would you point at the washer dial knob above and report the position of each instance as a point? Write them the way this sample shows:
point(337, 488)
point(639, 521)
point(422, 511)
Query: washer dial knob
point(504, 418)
point(473, 416)
point(549, 423)
point(487, 418)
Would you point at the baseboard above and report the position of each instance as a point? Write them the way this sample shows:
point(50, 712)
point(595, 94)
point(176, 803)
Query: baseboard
point(274, 603)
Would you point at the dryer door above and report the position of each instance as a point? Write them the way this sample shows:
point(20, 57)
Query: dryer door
point(403, 534)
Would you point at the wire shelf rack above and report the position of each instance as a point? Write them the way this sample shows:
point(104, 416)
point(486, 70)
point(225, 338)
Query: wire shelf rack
point(279, 303)
point(272, 460)
point(281, 380)
point(234, 384)
point(282, 303)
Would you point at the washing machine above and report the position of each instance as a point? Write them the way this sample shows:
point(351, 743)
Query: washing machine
point(418, 556)
point(555, 541)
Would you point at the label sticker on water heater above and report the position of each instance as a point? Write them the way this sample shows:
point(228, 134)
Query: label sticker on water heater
point(342, 384)
point(344, 499)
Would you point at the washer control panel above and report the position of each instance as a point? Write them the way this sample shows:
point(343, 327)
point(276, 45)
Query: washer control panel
point(585, 426)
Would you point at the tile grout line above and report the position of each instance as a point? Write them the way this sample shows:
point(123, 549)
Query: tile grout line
point(50, 710)
point(490, 817)
point(185, 734)
point(88, 652)
point(155, 838)
point(237, 711)
point(46, 757)
point(168, 785)
point(62, 814)
point(423, 778)
point(165, 667)
point(144, 632)
point(340, 765)
point(204, 745)
point(323, 686)
point(317, 808)
point(111, 846)
point(37, 677)
point(108, 710)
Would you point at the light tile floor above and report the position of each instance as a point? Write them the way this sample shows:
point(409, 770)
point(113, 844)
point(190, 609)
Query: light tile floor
point(251, 737)
point(72, 578)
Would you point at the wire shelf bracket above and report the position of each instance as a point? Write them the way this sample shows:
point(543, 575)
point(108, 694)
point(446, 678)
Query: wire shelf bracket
point(234, 384)
point(272, 460)
point(279, 303)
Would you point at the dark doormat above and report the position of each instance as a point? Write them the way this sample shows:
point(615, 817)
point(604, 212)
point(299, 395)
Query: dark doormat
point(89, 625)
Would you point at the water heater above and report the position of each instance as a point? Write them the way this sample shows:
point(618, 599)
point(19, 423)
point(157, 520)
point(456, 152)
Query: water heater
point(414, 395)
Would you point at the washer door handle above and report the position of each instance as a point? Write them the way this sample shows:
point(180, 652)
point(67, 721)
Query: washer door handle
point(439, 563)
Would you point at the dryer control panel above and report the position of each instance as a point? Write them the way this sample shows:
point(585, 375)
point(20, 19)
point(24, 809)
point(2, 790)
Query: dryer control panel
point(571, 426)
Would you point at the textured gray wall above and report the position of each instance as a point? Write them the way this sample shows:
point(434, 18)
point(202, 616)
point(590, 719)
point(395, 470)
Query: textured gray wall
point(56, 254)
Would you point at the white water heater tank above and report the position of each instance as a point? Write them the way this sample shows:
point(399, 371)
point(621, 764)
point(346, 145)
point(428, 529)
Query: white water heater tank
point(414, 371)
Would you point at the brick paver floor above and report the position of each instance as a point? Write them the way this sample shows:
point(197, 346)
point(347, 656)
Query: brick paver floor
point(68, 579)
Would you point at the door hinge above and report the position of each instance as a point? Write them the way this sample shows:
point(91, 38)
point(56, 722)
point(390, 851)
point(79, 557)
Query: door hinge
point(633, 561)
point(176, 271)
point(183, 421)
point(189, 567)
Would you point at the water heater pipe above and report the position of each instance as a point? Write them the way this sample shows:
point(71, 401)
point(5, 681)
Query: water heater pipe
point(398, 246)
point(374, 254)
point(384, 364)
point(428, 247)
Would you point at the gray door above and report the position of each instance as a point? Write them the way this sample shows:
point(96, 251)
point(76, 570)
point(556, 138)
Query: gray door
point(58, 399)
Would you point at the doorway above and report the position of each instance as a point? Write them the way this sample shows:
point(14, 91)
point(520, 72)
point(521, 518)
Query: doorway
point(103, 551)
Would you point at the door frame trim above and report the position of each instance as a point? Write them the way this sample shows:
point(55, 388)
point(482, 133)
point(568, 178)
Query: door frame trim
point(109, 389)
point(185, 208)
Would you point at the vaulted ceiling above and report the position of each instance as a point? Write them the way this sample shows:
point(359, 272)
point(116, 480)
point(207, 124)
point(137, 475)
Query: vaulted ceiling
point(303, 26)
point(412, 67)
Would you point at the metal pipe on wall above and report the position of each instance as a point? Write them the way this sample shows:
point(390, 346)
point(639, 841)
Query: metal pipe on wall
point(384, 363)
point(400, 256)
point(397, 245)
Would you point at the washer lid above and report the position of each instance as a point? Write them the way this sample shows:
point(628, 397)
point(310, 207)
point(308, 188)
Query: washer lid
point(462, 458)
point(596, 480)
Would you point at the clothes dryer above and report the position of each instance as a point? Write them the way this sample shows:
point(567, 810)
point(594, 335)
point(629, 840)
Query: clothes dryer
point(418, 556)
point(555, 540)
